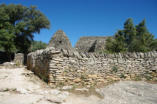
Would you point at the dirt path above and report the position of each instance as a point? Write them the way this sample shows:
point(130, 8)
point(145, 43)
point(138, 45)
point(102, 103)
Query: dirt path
point(21, 86)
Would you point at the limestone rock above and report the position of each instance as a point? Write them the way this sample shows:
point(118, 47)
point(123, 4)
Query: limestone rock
point(93, 76)
point(154, 68)
point(77, 80)
point(67, 87)
point(19, 59)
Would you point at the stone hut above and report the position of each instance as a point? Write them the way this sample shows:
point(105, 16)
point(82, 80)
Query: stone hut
point(91, 44)
point(60, 41)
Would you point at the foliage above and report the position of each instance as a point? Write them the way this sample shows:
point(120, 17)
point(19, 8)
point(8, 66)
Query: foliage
point(114, 69)
point(6, 34)
point(138, 78)
point(110, 45)
point(36, 45)
point(122, 76)
point(17, 26)
point(132, 39)
point(153, 45)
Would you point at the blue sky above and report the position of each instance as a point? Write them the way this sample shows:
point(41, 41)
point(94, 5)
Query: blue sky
point(91, 17)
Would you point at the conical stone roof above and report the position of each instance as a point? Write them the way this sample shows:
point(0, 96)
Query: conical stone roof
point(60, 41)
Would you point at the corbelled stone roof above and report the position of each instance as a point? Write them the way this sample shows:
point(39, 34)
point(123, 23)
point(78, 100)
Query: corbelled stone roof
point(60, 41)
point(91, 44)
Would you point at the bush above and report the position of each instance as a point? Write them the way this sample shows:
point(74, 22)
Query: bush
point(36, 45)
point(122, 76)
point(114, 69)
point(138, 78)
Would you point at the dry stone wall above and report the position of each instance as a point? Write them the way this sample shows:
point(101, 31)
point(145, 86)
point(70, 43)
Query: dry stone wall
point(19, 59)
point(63, 67)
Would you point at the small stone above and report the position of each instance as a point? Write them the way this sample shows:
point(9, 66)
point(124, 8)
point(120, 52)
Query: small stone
point(93, 76)
point(55, 92)
point(81, 89)
point(63, 95)
point(22, 91)
point(77, 80)
point(154, 68)
point(101, 80)
point(67, 87)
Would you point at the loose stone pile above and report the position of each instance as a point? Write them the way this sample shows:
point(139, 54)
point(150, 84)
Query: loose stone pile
point(66, 67)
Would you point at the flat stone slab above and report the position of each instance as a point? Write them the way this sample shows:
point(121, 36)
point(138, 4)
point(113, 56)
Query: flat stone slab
point(129, 92)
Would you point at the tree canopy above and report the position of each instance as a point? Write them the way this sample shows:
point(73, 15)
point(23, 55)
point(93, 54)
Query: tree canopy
point(36, 45)
point(132, 39)
point(17, 26)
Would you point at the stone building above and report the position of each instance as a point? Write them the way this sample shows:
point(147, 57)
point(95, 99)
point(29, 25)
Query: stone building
point(60, 41)
point(91, 44)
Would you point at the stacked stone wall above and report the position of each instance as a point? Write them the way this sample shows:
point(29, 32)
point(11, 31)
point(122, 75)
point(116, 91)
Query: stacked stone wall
point(19, 59)
point(72, 67)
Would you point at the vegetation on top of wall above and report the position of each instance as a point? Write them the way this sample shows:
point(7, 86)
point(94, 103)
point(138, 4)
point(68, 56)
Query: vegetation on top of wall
point(36, 45)
point(132, 39)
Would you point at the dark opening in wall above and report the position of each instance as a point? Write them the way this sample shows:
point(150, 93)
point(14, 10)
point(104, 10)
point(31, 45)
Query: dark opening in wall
point(92, 48)
point(60, 41)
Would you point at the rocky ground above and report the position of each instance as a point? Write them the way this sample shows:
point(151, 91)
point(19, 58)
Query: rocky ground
point(21, 86)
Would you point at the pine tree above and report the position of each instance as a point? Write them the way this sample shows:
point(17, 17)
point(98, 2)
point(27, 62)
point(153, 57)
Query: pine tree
point(132, 39)
point(129, 34)
point(120, 42)
point(144, 37)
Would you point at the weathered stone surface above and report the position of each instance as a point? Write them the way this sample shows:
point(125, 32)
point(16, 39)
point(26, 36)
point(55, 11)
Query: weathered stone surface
point(77, 80)
point(91, 44)
point(19, 59)
point(60, 41)
point(72, 67)
point(129, 92)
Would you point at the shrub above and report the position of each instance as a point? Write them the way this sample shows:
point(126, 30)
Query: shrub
point(138, 78)
point(114, 69)
point(122, 76)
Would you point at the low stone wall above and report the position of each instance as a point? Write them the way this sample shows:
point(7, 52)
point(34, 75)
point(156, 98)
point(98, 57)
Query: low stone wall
point(68, 68)
point(19, 59)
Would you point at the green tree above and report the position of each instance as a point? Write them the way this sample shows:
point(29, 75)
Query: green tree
point(132, 39)
point(129, 34)
point(120, 44)
point(116, 43)
point(153, 45)
point(6, 34)
point(36, 45)
point(110, 45)
point(144, 37)
point(129, 31)
point(23, 22)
